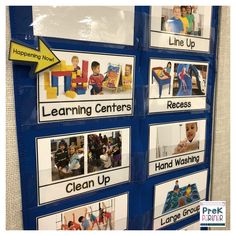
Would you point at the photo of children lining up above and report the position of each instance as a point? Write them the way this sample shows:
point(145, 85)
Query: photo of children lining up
point(104, 151)
point(99, 216)
point(178, 138)
point(182, 20)
point(67, 157)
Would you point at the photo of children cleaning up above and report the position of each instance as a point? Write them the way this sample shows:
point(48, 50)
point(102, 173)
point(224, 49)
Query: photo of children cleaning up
point(180, 196)
point(97, 216)
point(82, 158)
point(187, 20)
point(81, 76)
point(67, 157)
point(104, 151)
point(177, 79)
point(178, 138)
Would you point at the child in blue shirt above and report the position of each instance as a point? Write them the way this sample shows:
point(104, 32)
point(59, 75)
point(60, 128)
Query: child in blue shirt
point(84, 221)
point(174, 24)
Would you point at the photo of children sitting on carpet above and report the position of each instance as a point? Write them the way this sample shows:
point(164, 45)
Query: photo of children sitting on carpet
point(67, 157)
point(180, 138)
point(97, 216)
point(187, 20)
point(104, 151)
point(180, 196)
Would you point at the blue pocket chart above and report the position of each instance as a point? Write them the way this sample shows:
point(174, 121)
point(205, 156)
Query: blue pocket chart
point(104, 134)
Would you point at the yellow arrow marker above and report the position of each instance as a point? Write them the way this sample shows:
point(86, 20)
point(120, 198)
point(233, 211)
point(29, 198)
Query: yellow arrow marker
point(43, 57)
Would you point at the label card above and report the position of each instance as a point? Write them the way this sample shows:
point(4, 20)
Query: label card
point(177, 85)
point(176, 145)
point(181, 28)
point(179, 198)
point(115, 26)
point(107, 214)
point(86, 85)
point(77, 163)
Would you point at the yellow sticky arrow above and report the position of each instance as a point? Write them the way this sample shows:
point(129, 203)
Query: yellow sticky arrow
point(43, 57)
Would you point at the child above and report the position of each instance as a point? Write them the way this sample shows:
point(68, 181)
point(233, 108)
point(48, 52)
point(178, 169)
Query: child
point(61, 157)
point(168, 67)
point(72, 225)
point(105, 158)
point(107, 217)
point(176, 187)
point(196, 23)
point(175, 25)
point(74, 163)
point(190, 18)
point(75, 63)
point(93, 219)
point(96, 79)
point(181, 77)
point(184, 19)
point(80, 153)
point(116, 156)
point(188, 191)
point(190, 143)
point(84, 221)
point(127, 78)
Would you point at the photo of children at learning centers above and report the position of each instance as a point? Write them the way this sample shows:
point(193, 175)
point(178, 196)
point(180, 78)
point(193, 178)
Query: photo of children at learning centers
point(105, 214)
point(87, 76)
point(177, 79)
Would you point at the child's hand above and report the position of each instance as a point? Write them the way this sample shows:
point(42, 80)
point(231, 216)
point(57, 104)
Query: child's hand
point(181, 147)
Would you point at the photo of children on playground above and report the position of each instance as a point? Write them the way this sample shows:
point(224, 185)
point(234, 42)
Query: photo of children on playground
point(189, 79)
point(186, 20)
point(86, 76)
point(177, 79)
point(67, 157)
point(104, 150)
point(179, 138)
point(96, 216)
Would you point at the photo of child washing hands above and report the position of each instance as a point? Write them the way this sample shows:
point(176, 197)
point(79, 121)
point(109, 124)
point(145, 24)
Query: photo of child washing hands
point(190, 143)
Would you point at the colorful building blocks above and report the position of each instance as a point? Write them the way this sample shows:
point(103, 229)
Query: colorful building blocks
point(70, 94)
point(46, 80)
point(74, 83)
point(51, 92)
